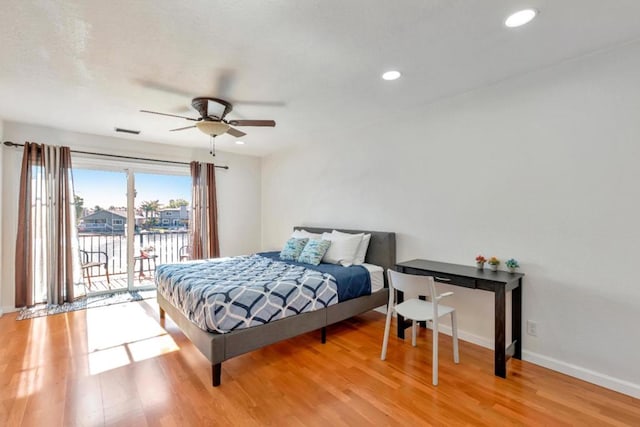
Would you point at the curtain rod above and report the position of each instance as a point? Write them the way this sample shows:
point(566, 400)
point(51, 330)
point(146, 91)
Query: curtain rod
point(13, 144)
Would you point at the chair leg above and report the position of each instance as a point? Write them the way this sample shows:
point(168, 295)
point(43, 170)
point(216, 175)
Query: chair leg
point(435, 352)
point(387, 328)
point(454, 334)
point(414, 332)
point(106, 270)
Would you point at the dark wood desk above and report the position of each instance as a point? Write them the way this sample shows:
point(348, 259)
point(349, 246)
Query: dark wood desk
point(498, 282)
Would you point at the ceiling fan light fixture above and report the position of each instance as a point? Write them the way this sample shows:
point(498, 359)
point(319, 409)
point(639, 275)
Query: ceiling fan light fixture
point(210, 127)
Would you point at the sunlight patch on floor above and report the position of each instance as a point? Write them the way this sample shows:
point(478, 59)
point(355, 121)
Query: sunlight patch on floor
point(121, 334)
point(152, 347)
point(108, 359)
point(28, 382)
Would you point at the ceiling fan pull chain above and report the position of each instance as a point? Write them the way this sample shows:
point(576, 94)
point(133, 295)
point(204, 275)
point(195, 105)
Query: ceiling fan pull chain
point(212, 150)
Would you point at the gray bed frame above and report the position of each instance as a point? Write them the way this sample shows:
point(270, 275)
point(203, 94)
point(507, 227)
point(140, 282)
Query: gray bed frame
point(220, 347)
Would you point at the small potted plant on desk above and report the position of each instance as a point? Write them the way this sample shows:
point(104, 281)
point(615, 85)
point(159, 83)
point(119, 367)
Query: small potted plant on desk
point(147, 252)
point(493, 263)
point(512, 264)
point(480, 260)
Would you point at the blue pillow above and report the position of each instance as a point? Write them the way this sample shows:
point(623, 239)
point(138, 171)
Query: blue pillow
point(292, 249)
point(314, 251)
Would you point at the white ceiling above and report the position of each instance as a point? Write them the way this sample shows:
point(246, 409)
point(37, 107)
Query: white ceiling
point(90, 66)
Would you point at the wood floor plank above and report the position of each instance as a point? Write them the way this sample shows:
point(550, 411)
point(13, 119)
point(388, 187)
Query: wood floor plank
point(55, 371)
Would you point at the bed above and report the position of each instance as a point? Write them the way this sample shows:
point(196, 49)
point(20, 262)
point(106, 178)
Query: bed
point(218, 347)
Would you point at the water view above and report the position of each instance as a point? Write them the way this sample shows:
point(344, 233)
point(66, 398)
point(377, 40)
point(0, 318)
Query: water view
point(160, 212)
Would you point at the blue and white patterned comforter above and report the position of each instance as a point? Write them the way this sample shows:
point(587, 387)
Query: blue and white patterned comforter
point(245, 291)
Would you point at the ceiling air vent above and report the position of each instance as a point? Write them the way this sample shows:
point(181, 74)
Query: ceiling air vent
point(135, 132)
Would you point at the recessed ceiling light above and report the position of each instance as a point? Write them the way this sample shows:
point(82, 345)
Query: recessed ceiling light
point(391, 75)
point(520, 18)
point(239, 142)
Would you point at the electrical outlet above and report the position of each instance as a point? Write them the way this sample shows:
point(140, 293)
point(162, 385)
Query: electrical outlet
point(532, 328)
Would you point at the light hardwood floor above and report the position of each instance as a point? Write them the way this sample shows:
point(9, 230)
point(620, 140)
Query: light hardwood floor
point(118, 365)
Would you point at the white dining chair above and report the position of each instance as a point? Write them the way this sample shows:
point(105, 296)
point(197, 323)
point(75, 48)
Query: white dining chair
point(418, 310)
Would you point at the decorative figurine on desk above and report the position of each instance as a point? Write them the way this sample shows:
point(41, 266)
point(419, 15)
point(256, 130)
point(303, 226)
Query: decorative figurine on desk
point(480, 260)
point(493, 263)
point(512, 264)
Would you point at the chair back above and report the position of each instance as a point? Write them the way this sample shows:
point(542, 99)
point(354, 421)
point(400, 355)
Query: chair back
point(184, 253)
point(412, 284)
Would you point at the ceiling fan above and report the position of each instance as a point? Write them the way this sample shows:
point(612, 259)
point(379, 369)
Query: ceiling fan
point(212, 118)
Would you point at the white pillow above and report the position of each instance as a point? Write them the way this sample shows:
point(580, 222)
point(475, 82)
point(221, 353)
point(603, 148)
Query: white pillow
point(304, 234)
point(342, 249)
point(361, 252)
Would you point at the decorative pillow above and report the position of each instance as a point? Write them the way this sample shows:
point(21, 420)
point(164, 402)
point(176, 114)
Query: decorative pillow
point(314, 251)
point(301, 234)
point(292, 249)
point(361, 252)
point(342, 249)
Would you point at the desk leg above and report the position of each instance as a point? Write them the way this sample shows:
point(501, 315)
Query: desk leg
point(500, 356)
point(516, 319)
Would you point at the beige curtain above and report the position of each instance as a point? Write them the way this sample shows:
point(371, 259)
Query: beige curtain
point(47, 267)
point(204, 214)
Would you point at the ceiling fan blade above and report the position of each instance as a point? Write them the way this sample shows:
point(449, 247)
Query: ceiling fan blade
point(259, 103)
point(170, 115)
point(164, 88)
point(235, 132)
point(186, 127)
point(269, 123)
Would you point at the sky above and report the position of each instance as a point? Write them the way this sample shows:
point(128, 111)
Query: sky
point(105, 188)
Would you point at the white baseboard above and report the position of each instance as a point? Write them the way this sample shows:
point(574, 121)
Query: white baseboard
point(593, 377)
point(7, 310)
point(465, 336)
point(584, 374)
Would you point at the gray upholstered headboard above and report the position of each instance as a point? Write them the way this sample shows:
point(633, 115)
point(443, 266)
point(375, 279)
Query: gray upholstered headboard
point(382, 247)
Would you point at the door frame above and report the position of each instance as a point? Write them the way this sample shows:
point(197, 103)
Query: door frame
point(129, 168)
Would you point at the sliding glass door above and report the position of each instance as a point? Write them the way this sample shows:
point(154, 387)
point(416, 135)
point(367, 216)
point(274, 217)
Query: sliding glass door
point(162, 208)
point(101, 214)
point(129, 222)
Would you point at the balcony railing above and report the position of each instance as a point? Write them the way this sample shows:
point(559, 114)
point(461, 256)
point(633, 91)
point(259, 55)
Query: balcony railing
point(166, 247)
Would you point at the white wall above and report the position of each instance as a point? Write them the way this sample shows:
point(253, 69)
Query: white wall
point(543, 168)
point(1, 215)
point(238, 189)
